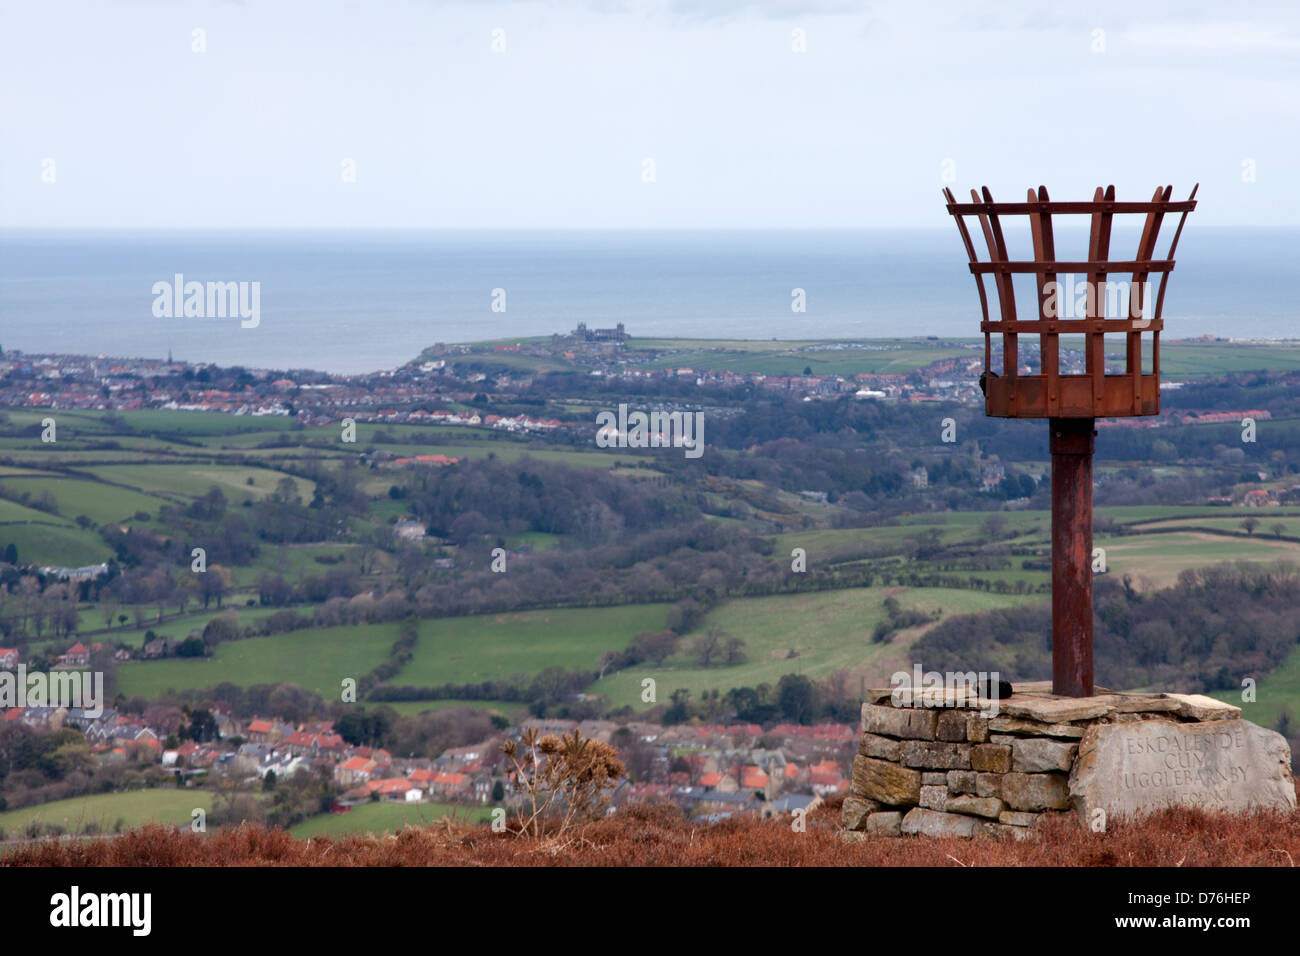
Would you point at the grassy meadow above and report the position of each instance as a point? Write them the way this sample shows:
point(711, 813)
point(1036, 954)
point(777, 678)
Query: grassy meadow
point(133, 807)
point(316, 659)
point(814, 634)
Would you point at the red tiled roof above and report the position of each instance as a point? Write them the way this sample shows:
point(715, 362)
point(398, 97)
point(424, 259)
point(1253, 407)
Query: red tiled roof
point(753, 777)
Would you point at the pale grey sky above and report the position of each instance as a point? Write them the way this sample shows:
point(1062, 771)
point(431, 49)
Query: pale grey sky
point(555, 130)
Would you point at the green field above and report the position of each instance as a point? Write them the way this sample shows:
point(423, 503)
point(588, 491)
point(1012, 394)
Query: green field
point(880, 356)
point(960, 527)
point(1160, 557)
point(826, 631)
point(514, 451)
point(294, 561)
point(99, 502)
point(1178, 359)
point(133, 807)
point(494, 646)
point(1198, 359)
point(193, 480)
point(177, 628)
point(51, 540)
point(383, 818)
point(1267, 517)
point(317, 659)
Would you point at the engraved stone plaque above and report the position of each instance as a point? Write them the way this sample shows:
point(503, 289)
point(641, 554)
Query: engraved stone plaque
point(1138, 767)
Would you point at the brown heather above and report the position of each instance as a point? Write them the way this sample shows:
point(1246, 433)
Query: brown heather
point(658, 835)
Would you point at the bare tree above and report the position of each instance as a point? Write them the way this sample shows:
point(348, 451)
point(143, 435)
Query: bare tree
point(707, 646)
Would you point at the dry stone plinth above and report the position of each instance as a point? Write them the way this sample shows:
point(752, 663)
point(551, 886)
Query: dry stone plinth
point(1133, 768)
point(975, 766)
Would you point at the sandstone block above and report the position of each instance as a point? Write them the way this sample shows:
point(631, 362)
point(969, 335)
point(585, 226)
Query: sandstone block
point(1056, 710)
point(856, 810)
point(1143, 703)
point(988, 785)
point(935, 824)
point(1043, 688)
point(882, 748)
point(935, 755)
point(1200, 707)
point(885, 823)
point(951, 726)
point(1015, 725)
point(885, 782)
point(989, 807)
point(934, 798)
point(1038, 755)
point(977, 728)
point(1035, 791)
point(961, 781)
point(991, 758)
point(907, 723)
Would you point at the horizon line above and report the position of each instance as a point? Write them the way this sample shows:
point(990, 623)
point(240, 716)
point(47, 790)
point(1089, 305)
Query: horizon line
point(942, 227)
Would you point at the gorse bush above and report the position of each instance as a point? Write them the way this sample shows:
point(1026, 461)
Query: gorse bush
point(562, 780)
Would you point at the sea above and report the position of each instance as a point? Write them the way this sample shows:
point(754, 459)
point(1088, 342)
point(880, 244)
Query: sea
point(350, 302)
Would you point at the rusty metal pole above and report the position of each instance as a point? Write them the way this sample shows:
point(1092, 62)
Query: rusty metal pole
point(1072, 447)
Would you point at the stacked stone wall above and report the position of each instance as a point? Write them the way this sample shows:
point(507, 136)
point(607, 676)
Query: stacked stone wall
point(998, 768)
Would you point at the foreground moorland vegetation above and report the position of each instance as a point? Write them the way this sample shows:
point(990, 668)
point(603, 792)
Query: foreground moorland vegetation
point(658, 835)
